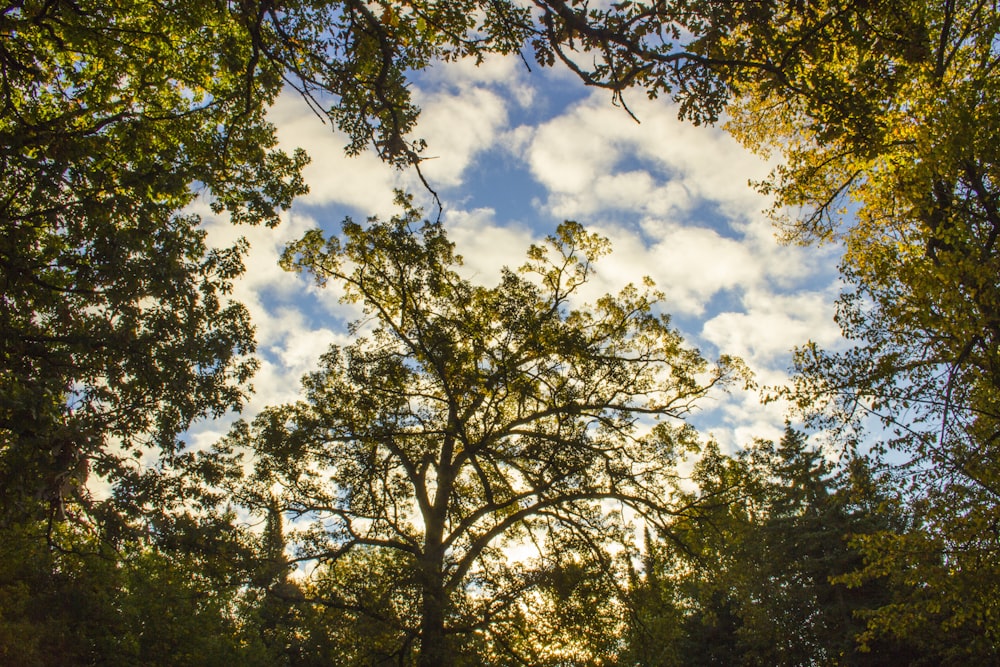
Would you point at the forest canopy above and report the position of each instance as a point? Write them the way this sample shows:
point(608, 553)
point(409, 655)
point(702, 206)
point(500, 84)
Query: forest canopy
point(464, 420)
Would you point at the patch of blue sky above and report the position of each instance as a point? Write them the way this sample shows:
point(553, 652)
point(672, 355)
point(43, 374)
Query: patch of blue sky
point(724, 300)
point(709, 213)
point(330, 216)
point(315, 308)
point(498, 181)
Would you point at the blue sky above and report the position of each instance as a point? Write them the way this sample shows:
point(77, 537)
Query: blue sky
point(513, 154)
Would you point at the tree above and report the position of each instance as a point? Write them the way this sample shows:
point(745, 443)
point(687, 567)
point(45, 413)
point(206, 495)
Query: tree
point(903, 172)
point(116, 326)
point(116, 330)
point(469, 418)
point(654, 634)
point(177, 603)
point(113, 115)
point(707, 574)
point(758, 572)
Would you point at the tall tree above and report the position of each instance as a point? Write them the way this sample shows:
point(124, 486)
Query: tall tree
point(116, 325)
point(467, 418)
point(116, 330)
point(889, 149)
point(760, 572)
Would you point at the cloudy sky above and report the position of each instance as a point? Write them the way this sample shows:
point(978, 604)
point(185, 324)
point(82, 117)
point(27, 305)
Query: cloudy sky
point(514, 153)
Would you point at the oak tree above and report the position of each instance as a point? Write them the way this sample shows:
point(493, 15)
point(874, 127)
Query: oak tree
point(466, 419)
point(116, 327)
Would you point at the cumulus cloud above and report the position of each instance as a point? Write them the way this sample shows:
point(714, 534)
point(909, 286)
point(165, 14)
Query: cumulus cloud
point(486, 247)
point(586, 159)
point(694, 263)
point(772, 324)
point(463, 113)
point(507, 75)
point(266, 245)
point(363, 182)
point(456, 127)
point(737, 418)
point(289, 340)
point(688, 264)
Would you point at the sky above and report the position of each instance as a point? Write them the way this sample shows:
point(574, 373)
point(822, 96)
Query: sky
point(512, 153)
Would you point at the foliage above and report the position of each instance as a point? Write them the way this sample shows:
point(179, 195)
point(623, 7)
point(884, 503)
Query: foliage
point(755, 573)
point(366, 607)
point(468, 418)
point(902, 172)
point(573, 610)
point(116, 330)
point(353, 61)
point(67, 599)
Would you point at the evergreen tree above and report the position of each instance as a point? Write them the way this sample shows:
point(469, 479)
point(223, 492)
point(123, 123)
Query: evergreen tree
point(761, 574)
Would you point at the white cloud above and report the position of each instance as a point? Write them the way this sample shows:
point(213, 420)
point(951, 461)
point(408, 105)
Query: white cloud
point(485, 246)
point(456, 128)
point(364, 181)
point(772, 325)
point(505, 74)
point(289, 358)
point(688, 264)
point(763, 334)
point(735, 419)
point(694, 263)
point(578, 156)
point(289, 343)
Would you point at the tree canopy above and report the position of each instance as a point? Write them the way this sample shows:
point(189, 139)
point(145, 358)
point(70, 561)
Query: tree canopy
point(903, 173)
point(465, 420)
point(116, 330)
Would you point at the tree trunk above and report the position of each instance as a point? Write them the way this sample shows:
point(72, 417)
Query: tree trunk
point(433, 652)
point(434, 603)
